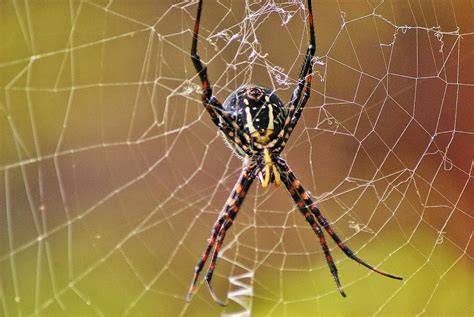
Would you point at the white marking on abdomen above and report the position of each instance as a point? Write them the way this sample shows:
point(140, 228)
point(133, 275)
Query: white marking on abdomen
point(250, 120)
point(270, 117)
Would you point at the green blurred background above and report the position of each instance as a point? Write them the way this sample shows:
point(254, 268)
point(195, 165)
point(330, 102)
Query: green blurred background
point(112, 174)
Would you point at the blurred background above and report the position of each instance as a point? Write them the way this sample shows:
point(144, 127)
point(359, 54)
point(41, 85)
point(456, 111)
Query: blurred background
point(112, 174)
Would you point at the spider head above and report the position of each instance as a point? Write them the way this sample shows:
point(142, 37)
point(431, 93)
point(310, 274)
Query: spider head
point(259, 113)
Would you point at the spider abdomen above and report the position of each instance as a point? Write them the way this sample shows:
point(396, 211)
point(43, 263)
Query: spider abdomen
point(259, 113)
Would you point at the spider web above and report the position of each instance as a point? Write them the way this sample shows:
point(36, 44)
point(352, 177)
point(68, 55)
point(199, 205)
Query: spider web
point(112, 173)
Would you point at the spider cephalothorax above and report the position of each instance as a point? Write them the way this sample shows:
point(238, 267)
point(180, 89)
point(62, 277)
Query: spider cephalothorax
point(257, 125)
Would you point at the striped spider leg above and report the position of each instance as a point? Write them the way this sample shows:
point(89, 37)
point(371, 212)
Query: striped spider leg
point(223, 223)
point(313, 216)
point(218, 115)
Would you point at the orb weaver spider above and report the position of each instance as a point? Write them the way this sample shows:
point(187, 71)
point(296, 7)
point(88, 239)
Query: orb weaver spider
point(257, 125)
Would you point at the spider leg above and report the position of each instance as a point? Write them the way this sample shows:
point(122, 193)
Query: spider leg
point(212, 266)
point(305, 73)
point(202, 72)
point(306, 212)
point(291, 122)
point(233, 207)
point(210, 244)
point(222, 224)
point(308, 202)
point(297, 104)
point(230, 128)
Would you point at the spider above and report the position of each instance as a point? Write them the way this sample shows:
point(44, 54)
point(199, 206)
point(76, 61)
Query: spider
point(257, 125)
